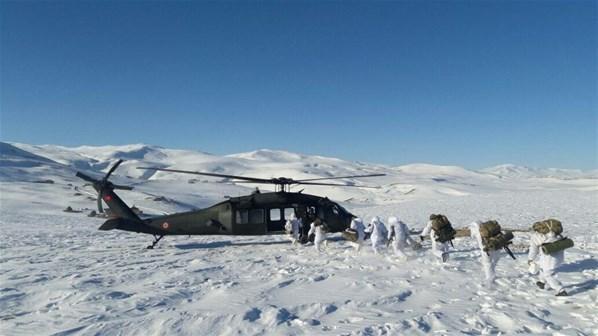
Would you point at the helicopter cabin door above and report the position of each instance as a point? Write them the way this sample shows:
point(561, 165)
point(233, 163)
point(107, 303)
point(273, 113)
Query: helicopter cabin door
point(276, 220)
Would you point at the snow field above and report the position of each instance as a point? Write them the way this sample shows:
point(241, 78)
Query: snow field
point(59, 275)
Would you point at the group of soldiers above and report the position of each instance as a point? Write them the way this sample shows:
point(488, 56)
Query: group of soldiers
point(546, 245)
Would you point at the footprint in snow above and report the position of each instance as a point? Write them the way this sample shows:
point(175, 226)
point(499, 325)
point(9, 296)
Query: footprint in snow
point(116, 295)
point(319, 278)
point(252, 315)
point(285, 283)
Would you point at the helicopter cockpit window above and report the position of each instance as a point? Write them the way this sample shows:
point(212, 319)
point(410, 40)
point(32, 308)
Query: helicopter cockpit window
point(256, 216)
point(275, 215)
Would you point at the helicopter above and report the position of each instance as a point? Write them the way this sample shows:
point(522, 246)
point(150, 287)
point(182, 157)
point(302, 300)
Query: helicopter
point(260, 213)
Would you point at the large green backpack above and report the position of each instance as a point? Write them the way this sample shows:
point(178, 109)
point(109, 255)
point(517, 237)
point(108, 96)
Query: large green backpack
point(492, 236)
point(548, 225)
point(443, 228)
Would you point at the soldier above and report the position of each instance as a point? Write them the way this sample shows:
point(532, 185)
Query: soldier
point(317, 228)
point(490, 240)
point(378, 234)
point(547, 242)
point(303, 216)
point(441, 233)
point(293, 226)
point(398, 234)
point(359, 228)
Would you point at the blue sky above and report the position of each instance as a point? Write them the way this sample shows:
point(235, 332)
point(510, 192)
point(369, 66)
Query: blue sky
point(466, 83)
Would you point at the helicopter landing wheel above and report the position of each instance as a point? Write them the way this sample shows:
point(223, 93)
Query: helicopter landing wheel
point(156, 240)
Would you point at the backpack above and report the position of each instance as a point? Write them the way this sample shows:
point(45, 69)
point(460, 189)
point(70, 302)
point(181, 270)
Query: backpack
point(492, 237)
point(439, 221)
point(489, 229)
point(442, 228)
point(350, 235)
point(548, 225)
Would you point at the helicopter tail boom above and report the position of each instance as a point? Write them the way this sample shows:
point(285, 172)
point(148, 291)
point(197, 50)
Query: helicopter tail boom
point(129, 225)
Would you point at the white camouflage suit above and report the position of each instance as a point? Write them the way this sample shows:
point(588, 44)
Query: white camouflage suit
point(378, 236)
point(320, 235)
point(547, 262)
point(438, 249)
point(357, 225)
point(401, 236)
point(292, 226)
point(488, 259)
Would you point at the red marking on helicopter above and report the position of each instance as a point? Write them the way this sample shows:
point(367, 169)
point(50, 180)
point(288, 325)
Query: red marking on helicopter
point(107, 198)
point(165, 225)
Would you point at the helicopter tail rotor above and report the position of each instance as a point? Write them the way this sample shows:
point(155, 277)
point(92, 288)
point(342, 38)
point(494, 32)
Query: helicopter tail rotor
point(105, 190)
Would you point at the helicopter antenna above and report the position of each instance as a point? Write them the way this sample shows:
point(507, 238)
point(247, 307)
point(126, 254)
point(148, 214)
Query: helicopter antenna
point(282, 184)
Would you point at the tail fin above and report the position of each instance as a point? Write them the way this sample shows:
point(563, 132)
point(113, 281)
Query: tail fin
point(106, 192)
point(118, 207)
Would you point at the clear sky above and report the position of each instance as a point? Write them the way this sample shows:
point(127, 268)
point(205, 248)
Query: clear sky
point(473, 84)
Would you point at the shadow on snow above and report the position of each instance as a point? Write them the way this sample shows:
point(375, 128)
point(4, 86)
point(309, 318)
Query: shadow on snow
point(226, 243)
point(580, 265)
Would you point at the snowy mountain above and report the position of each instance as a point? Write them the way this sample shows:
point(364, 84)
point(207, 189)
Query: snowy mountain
point(59, 275)
point(415, 179)
point(513, 171)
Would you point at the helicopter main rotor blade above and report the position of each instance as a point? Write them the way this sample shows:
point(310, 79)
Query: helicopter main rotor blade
point(250, 179)
point(339, 177)
point(317, 184)
point(277, 181)
point(337, 185)
point(256, 182)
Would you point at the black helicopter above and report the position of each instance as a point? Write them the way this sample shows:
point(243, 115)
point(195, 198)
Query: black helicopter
point(255, 214)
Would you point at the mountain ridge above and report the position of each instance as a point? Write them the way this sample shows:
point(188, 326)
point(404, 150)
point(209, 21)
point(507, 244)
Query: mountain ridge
point(99, 157)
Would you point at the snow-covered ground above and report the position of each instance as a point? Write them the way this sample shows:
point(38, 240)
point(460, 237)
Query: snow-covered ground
point(59, 275)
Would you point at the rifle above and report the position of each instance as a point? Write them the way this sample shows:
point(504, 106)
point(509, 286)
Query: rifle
point(510, 252)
